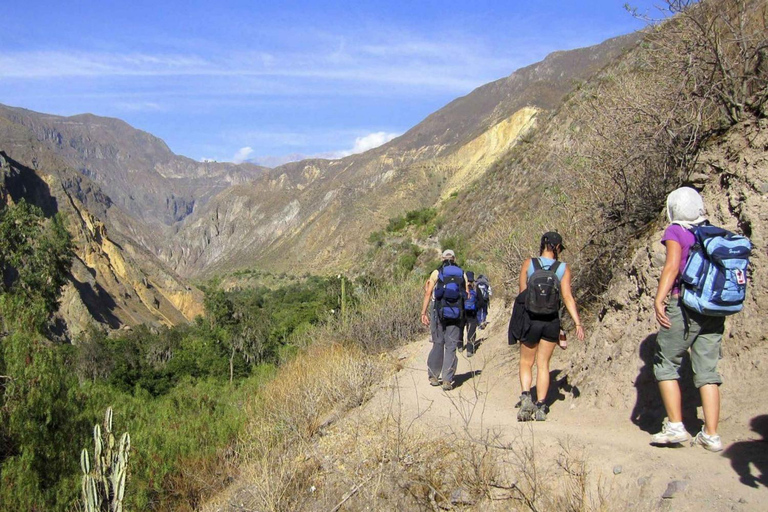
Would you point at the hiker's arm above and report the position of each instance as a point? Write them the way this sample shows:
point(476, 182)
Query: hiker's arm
point(523, 282)
point(425, 303)
point(570, 302)
point(667, 281)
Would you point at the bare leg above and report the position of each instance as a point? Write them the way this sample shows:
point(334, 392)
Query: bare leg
point(710, 402)
point(527, 357)
point(542, 368)
point(670, 395)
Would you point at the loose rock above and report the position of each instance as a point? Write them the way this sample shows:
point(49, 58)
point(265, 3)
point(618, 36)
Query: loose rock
point(674, 487)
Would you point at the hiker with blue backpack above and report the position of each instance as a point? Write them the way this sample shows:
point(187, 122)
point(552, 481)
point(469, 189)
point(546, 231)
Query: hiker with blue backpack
point(546, 282)
point(484, 292)
point(449, 284)
point(471, 310)
point(703, 280)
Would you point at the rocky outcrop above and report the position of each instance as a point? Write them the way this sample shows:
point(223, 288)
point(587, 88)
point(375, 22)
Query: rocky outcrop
point(112, 283)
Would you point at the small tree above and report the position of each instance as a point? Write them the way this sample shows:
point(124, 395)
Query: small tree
point(722, 50)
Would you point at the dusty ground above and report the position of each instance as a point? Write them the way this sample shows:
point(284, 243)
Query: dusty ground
point(617, 452)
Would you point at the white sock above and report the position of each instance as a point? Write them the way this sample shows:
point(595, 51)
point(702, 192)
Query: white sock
point(677, 426)
point(708, 436)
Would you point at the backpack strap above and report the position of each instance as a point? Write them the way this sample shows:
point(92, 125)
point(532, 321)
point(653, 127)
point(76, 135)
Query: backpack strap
point(536, 262)
point(554, 268)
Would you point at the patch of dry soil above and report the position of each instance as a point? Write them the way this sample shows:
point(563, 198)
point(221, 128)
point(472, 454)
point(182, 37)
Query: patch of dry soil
point(618, 452)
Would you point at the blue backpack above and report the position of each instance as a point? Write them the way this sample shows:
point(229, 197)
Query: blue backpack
point(714, 281)
point(470, 304)
point(449, 293)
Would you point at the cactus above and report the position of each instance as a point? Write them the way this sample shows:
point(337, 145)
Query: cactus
point(103, 484)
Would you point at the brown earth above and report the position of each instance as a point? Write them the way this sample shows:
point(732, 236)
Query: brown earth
point(619, 458)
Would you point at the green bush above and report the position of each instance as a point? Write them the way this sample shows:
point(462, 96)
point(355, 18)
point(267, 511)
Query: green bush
point(396, 224)
point(420, 217)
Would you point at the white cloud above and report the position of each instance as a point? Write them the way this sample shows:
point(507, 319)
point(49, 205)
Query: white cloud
point(372, 140)
point(362, 144)
point(390, 60)
point(242, 155)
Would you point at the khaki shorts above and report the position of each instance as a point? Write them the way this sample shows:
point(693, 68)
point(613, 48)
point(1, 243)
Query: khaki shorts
point(702, 334)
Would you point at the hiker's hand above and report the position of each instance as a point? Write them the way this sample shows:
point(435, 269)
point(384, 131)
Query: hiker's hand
point(424, 319)
point(661, 314)
point(580, 332)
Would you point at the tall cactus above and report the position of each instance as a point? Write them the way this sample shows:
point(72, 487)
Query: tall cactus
point(104, 483)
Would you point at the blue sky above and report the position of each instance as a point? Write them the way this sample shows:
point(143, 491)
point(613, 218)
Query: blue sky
point(230, 80)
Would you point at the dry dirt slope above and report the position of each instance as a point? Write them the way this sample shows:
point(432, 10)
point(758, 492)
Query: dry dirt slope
point(618, 455)
point(386, 454)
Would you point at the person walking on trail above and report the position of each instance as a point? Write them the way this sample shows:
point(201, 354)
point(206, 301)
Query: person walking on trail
point(449, 284)
point(484, 292)
point(429, 289)
point(470, 313)
point(547, 281)
point(683, 329)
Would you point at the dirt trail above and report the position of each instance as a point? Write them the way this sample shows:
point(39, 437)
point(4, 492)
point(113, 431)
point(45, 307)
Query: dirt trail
point(618, 452)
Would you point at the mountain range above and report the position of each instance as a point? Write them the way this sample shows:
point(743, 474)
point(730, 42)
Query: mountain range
point(174, 215)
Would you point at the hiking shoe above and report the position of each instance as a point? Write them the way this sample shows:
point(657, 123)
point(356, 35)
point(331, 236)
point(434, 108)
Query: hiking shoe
point(711, 443)
point(527, 408)
point(447, 386)
point(541, 412)
point(434, 381)
point(670, 435)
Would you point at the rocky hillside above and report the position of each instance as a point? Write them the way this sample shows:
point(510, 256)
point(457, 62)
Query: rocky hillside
point(317, 214)
point(598, 170)
point(137, 170)
point(112, 281)
point(314, 214)
point(615, 366)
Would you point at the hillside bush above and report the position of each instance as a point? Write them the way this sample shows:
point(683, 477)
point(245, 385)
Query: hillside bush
point(384, 317)
point(642, 123)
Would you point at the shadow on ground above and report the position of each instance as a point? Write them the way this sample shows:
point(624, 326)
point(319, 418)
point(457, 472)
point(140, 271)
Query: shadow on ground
point(752, 454)
point(648, 412)
point(558, 389)
point(461, 378)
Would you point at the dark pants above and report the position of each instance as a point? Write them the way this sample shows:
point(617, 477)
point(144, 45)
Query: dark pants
point(442, 358)
point(471, 323)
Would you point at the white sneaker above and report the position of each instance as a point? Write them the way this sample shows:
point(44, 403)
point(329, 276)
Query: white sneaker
point(711, 443)
point(670, 435)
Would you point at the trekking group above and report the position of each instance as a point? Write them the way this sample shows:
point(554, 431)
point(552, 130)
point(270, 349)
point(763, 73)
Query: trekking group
point(703, 280)
point(452, 302)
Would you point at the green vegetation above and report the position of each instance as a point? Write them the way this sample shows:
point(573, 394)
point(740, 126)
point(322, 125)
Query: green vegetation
point(416, 218)
point(181, 392)
point(39, 416)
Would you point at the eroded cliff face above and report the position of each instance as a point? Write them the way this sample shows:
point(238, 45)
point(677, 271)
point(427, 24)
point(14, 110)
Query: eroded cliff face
point(319, 214)
point(116, 284)
point(614, 366)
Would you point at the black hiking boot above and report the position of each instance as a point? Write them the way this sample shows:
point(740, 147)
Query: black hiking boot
point(541, 411)
point(527, 408)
